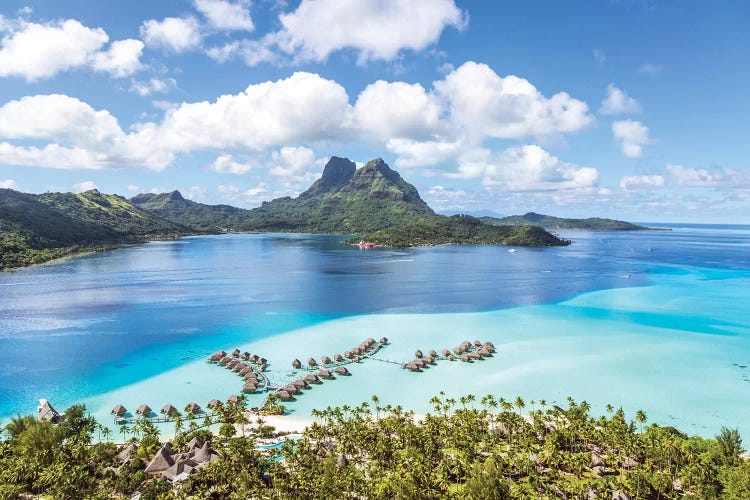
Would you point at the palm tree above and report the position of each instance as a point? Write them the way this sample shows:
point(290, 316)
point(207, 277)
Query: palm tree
point(124, 430)
point(520, 404)
point(640, 417)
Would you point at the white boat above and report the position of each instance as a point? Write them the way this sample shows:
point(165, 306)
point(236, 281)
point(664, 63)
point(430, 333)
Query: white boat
point(512, 250)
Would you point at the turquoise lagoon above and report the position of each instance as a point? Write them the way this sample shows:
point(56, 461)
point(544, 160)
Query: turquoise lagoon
point(650, 320)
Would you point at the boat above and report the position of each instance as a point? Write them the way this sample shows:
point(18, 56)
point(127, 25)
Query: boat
point(512, 250)
point(365, 244)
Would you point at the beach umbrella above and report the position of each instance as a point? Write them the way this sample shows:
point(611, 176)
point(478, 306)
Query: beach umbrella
point(144, 409)
point(119, 410)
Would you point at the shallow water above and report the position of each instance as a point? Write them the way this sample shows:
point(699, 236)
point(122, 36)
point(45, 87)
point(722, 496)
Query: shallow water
point(649, 320)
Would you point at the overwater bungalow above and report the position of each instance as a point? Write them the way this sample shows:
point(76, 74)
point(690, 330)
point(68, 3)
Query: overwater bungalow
point(213, 403)
point(458, 351)
point(349, 354)
point(338, 358)
point(296, 363)
point(250, 377)
point(168, 410)
point(254, 358)
point(311, 362)
point(433, 353)
point(489, 346)
point(326, 360)
point(232, 364)
point(384, 340)
point(193, 408)
point(284, 396)
point(451, 357)
point(356, 350)
point(144, 410)
point(474, 355)
point(245, 355)
point(238, 367)
point(446, 352)
point(484, 352)
point(428, 360)
point(477, 343)
point(300, 383)
point(312, 378)
point(465, 358)
point(249, 387)
point(234, 398)
point(418, 353)
point(291, 389)
point(119, 410)
point(262, 367)
point(412, 366)
point(262, 361)
point(341, 370)
point(217, 356)
point(325, 373)
point(245, 370)
point(223, 361)
point(236, 353)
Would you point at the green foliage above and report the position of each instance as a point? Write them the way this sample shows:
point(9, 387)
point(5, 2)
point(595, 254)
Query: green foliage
point(549, 221)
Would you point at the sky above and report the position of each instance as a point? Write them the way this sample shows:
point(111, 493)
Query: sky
point(632, 109)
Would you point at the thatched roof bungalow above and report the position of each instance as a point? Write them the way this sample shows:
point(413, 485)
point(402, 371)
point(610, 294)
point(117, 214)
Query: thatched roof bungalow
point(341, 370)
point(300, 383)
point(168, 409)
point(45, 411)
point(325, 373)
point(234, 398)
point(245, 355)
point(249, 387)
point(433, 353)
point(236, 353)
point(296, 363)
point(192, 408)
point(284, 396)
point(213, 403)
point(418, 353)
point(384, 340)
point(311, 362)
point(477, 343)
point(162, 460)
point(338, 358)
point(310, 377)
point(446, 352)
point(291, 389)
point(326, 360)
point(119, 410)
point(223, 361)
point(412, 366)
point(349, 354)
point(144, 410)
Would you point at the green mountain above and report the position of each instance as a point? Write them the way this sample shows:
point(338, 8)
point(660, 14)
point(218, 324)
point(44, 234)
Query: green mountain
point(209, 218)
point(38, 228)
point(551, 222)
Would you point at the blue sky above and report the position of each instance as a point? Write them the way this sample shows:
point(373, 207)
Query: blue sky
point(634, 109)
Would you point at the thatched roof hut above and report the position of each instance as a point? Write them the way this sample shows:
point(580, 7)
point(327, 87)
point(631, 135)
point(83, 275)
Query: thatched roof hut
point(325, 373)
point(477, 343)
point(291, 388)
point(458, 351)
point(250, 377)
point(433, 353)
point(446, 352)
point(162, 460)
point(338, 358)
point(216, 356)
point(489, 346)
point(412, 366)
point(119, 410)
point(474, 355)
point(418, 353)
point(236, 353)
point(213, 403)
point(254, 358)
point(326, 360)
point(262, 361)
point(223, 361)
point(249, 387)
point(311, 362)
point(245, 370)
point(262, 367)
point(310, 377)
point(232, 364)
point(144, 410)
point(300, 383)
point(168, 409)
point(428, 360)
point(192, 408)
point(451, 358)
point(341, 370)
point(484, 352)
point(234, 398)
point(245, 355)
point(238, 367)
point(284, 396)
point(370, 341)
point(194, 443)
point(349, 354)
point(465, 358)
point(384, 340)
point(356, 350)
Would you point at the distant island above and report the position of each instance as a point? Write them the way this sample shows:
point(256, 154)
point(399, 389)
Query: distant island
point(551, 222)
point(373, 203)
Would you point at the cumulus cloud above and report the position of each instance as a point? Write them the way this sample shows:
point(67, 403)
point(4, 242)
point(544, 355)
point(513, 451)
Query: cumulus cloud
point(133, 188)
point(226, 16)
point(251, 52)
point(413, 153)
point(375, 29)
point(695, 177)
point(176, 34)
point(123, 58)
point(525, 168)
point(631, 136)
point(618, 102)
point(36, 51)
point(152, 86)
point(482, 103)
point(236, 195)
point(84, 186)
point(292, 162)
point(226, 164)
point(9, 184)
point(641, 182)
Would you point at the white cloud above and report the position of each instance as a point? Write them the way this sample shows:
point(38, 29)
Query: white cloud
point(194, 192)
point(152, 86)
point(482, 103)
point(9, 184)
point(122, 59)
point(631, 137)
point(444, 193)
point(694, 177)
point(525, 168)
point(226, 164)
point(599, 56)
point(376, 29)
point(397, 110)
point(641, 182)
point(423, 153)
point(84, 186)
point(177, 34)
point(37, 51)
point(292, 162)
point(133, 188)
point(618, 102)
point(251, 52)
point(225, 15)
point(650, 69)
point(251, 195)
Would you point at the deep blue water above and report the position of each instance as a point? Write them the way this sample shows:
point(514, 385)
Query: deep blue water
point(76, 326)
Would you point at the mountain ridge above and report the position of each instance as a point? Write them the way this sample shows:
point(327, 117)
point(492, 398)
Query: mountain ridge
point(552, 222)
